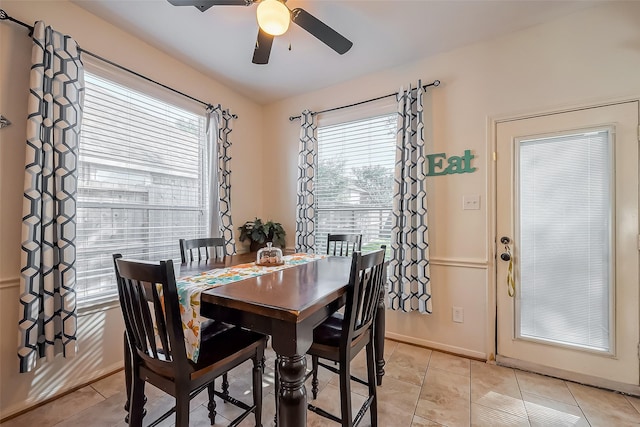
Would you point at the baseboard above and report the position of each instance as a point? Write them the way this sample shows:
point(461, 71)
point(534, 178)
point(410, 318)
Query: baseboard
point(460, 351)
point(633, 390)
point(27, 405)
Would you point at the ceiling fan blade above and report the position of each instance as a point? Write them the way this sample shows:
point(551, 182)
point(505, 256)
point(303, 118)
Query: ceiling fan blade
point(203, 5)
point(263, 48)
point(321, 31)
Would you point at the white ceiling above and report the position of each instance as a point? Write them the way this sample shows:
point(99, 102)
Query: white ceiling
point(385, 34)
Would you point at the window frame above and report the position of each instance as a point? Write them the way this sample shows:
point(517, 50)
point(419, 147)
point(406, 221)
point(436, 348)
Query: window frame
point(105, 71)
point(383, 107)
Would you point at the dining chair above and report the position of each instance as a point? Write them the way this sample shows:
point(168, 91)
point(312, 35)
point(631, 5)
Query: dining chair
point(149, 301)
point(342, 336)
point(343, 244)
point(200, 248)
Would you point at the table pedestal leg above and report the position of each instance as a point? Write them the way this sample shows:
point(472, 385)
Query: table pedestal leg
point(292, 396)
point(379, 338)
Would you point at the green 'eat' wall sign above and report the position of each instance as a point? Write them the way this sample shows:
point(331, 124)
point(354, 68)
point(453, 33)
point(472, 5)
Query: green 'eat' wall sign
point(455, 164)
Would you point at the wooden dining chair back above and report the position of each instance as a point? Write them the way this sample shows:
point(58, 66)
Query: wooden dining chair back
point(202, 249)
point(343, 244)
point(341, 337)
point(149, 301)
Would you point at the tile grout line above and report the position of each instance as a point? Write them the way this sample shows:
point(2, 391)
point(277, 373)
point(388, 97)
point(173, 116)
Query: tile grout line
point(628, 398)
point(526, 409)
point(470, 386)
point(586, 418)
point(98, 391)
point(513, 371)
point(424, 379)
point(564, 382)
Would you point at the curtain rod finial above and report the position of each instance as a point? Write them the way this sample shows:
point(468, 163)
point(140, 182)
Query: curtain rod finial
point(4, 122)
point(436, 83)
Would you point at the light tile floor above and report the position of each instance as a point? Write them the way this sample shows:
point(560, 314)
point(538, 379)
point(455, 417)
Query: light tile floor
point(421, 388)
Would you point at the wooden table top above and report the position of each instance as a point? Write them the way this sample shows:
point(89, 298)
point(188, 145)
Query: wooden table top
point(290, 295)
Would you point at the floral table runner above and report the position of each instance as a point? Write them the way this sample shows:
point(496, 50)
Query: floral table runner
point(190, 288)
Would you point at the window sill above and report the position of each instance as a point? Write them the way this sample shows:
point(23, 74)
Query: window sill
point(89, 307)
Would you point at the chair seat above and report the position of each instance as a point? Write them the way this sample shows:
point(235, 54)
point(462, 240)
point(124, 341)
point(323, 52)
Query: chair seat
point(210, 328)
point(222, 340)
point(328, 332)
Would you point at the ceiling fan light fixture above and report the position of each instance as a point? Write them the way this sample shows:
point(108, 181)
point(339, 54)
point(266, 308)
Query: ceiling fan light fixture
point(273, 17)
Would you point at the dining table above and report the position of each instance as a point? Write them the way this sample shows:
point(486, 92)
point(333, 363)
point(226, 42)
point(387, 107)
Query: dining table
point(286, 304)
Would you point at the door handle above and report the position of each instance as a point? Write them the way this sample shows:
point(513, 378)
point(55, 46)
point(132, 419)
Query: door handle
point(506, 256)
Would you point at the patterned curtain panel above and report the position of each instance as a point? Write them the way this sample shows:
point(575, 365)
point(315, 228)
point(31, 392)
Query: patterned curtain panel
point(306, 202)
point(47, 322)
point(222, 120)
point(409, 267)
point(212, 127)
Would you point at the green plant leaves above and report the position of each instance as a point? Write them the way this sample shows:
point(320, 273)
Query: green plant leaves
point(257, 231)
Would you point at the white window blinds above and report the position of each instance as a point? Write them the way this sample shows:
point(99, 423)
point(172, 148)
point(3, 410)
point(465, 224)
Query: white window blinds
point(354, 186)
point(565, 239)
point(142, 182)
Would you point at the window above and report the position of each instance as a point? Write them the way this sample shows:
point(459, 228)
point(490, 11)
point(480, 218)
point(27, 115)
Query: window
point(354, 186)
point(565, 230)
point(142, 182)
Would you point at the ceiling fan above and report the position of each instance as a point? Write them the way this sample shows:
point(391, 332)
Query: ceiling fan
point(273, 20)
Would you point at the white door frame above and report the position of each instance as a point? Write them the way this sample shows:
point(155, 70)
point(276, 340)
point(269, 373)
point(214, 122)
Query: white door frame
point(492, 246)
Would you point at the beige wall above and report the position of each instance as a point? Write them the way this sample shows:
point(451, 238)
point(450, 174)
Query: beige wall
point(588, 57)
point(100, 333)
point(591, 56)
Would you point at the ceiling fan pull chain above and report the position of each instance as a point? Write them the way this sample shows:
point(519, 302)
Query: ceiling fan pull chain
point(289, 46)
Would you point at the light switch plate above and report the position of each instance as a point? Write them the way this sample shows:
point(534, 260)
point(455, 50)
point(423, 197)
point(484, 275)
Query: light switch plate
point(458, 314)
point(471, 202)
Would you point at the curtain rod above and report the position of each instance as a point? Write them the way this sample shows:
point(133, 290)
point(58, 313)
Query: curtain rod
point(4, 16)
point(292, 118)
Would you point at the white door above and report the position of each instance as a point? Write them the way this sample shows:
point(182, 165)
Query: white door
point(567, 208)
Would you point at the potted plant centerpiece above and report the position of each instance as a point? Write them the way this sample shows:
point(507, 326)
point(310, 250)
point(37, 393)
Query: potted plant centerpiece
point(259, 233)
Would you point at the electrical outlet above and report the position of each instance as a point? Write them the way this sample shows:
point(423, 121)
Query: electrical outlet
point(471, 202)
point(458, 314)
